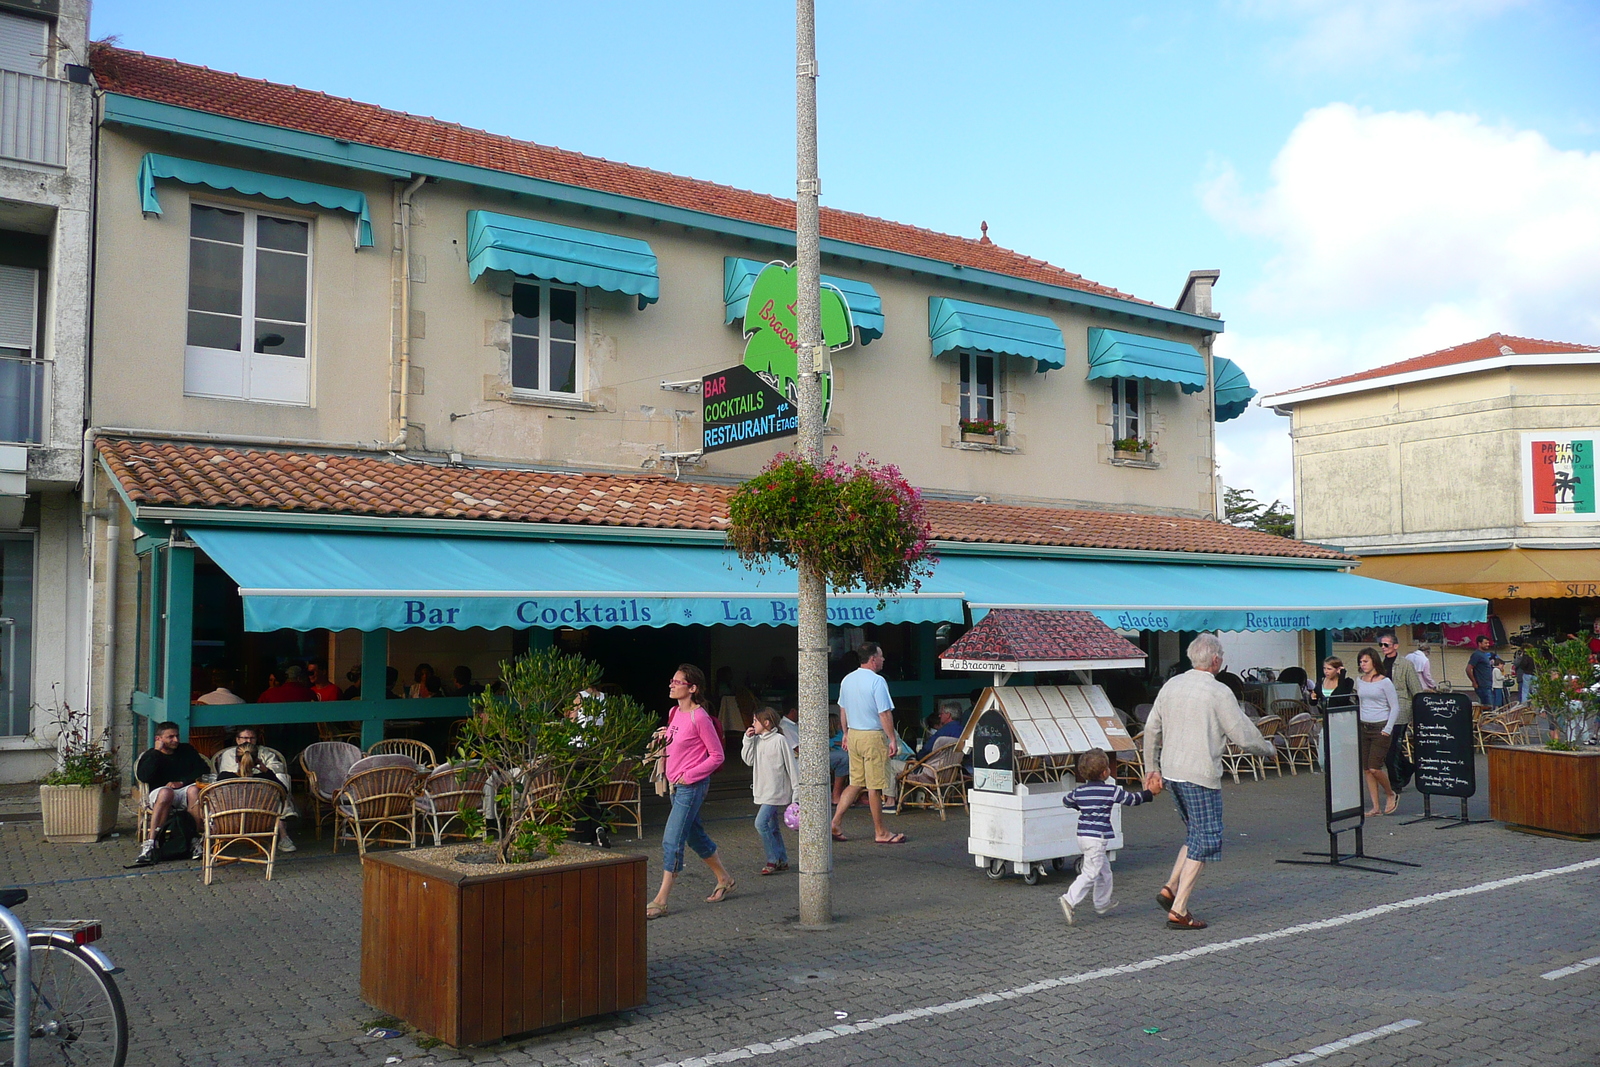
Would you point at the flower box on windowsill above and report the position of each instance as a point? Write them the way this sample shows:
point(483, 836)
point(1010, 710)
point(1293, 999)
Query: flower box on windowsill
point(1134, 458)
point(968, 438)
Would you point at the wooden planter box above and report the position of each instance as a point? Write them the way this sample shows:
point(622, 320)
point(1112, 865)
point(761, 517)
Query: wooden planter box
point(1135, 456)
point(979, 438)
point(471, 958)
point(1543, 789)
point(77, 814)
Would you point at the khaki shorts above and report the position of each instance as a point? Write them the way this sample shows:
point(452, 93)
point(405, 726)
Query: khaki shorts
point(869, 759)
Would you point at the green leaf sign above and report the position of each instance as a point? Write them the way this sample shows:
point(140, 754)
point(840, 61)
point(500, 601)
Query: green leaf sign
point(771, 333)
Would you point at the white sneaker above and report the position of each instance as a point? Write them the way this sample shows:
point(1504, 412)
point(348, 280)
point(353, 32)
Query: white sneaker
point(1066, 909)
point(147, 854)
point(286, 844)
point(195, 849)
point(1107, 910)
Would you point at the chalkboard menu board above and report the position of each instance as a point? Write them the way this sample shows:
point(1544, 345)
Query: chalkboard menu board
point(1441, 732)
point(991, 754)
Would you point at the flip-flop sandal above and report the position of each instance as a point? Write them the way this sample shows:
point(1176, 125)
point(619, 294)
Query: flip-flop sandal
point(719, 894)
point(1393, 805)
point(655, 911)
point(1184, 922)
point(1165, 898)
point(837, 836)
point(897, 839)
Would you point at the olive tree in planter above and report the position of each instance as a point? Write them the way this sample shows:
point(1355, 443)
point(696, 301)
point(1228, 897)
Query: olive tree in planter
point(78, 800)
point(1553, 787)
point(520, 929)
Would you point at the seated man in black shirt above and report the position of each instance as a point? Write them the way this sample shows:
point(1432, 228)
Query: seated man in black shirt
point(171, 770)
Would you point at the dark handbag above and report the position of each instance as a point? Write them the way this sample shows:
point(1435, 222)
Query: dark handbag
point(176, 836)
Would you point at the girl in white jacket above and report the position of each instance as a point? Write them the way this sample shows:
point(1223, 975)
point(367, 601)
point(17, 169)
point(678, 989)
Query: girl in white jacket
point(767, 751)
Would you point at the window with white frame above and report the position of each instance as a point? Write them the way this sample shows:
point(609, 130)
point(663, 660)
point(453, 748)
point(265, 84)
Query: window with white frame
point(1127, 409)
point(24, 379)
point(980, 386)
point(249, 294)
point(546, 353)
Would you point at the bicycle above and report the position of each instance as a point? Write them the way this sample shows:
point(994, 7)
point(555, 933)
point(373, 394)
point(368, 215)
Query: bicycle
point(73, 1013)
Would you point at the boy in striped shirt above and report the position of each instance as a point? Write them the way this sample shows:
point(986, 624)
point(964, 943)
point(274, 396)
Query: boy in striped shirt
point(1093, 800)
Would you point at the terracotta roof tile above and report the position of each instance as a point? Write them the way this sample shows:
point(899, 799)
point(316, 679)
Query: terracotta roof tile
point(199, 476)
point(1483, 348)
point(1041, 636)
point(168, 81)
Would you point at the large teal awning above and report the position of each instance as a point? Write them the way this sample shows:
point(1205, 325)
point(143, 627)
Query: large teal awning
point(250, 183)
point(295, 580)
point(983, 328)
point(557, 253)
point(1114, 354)
point(866, 309)
point(1233, 390)
point(1194, 596)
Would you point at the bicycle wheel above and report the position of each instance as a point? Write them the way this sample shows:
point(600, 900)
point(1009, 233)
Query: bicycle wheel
point(77, 1018)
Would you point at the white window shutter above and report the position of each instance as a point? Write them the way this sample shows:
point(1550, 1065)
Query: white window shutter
point(24, 43)
point(19, 307)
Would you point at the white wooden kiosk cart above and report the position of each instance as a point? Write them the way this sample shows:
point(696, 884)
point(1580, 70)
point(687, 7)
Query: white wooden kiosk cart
point(1023, 739)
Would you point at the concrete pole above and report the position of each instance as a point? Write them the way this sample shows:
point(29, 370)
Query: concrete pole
point(816, 809)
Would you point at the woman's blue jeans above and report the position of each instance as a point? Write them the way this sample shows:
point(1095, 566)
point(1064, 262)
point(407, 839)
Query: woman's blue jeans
point(769, 824)
point(683, 827)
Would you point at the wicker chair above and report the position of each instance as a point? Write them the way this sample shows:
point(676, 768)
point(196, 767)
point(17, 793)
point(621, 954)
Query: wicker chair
point(419, 753)
point(1141, 712)
point(1271, 728)
point(935, 781)
point(622, 799)
point(1288, 709)
point(446, 793)
point(145, 809)
point(349, 732)
point(1234, 757)
point(1300, 742)
point(326, 765)
point(376, 799)
point(1501, 729)
point(240, 811)
point(1129, 766)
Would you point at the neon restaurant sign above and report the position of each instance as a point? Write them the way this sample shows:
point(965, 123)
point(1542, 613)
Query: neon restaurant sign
point(758, 399)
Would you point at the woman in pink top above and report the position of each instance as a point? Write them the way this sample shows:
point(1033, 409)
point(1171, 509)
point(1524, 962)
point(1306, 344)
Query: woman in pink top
point(694, 752)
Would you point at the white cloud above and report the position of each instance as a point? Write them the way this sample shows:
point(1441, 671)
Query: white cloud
point(1395, 234)
point(1338, 34)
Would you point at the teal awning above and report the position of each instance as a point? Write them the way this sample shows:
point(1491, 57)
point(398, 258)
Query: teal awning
point(559, 253)
point(1233, 391)
point(1114, 354)
point(982, 328)
point(250, 183)
point(1195, 596)
point(296, 580)
point(866, 309)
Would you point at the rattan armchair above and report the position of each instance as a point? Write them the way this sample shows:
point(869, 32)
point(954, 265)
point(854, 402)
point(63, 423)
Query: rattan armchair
point(622, 799)
point(145, 807)
point(1300, 742)
point(417, 751)
point(935, 781)
point(240, 812)
point(1271, 728)
point(326, 765)
point(446, 793)
point(377, 806)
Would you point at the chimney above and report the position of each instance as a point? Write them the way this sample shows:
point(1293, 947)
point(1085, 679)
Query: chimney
point(1196, 296)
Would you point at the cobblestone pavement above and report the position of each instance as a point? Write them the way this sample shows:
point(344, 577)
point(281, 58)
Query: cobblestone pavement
point(931, 960)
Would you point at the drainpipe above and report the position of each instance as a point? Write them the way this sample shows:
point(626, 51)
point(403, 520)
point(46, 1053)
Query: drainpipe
point(108, 681)
point(399, 439)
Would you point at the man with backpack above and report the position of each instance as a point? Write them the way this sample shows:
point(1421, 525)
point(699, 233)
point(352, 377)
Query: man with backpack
point(171, 770)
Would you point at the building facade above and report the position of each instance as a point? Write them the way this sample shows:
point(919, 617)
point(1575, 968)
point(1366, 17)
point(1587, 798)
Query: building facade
point(383, 391)
point(1467, 470)
point(46, 196)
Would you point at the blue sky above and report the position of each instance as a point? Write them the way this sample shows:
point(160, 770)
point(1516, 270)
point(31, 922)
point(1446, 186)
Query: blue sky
point(1374, 178)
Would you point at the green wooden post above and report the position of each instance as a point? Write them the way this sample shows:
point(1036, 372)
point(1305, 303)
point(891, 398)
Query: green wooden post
point(179, 643)
point(374, 685)
point(540, 639)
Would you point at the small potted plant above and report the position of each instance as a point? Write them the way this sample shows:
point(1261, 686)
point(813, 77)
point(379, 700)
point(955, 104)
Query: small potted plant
point(579, 910)
point(78, 800)
point(1134, 448)
point(1553, 786)
point(982, 431)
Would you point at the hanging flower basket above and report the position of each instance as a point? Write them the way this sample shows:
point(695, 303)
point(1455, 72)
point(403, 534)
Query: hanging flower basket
point(861, 525)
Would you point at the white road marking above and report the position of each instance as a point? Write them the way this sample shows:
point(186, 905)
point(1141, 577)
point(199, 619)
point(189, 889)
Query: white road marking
point(1345, 1042)
point(1562, 972)
point(766, 1048)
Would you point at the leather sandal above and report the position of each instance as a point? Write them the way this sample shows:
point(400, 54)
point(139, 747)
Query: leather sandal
point(1165, 898)
point(773, 868)
point(719, 894)
point(654, 911)
point(1184, 922)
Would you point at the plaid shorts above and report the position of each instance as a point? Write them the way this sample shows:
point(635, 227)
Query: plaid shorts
point(1201, 809)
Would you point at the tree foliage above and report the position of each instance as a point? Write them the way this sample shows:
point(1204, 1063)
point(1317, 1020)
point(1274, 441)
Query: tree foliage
point(1241, 508)
point(542, 759)
point(1564, 687)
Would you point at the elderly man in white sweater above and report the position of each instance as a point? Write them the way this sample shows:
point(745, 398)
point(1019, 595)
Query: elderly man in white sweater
point(1193, 719)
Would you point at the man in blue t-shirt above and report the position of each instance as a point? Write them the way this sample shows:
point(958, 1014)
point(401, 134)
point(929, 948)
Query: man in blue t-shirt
point(870, 740)
point(1480, 669)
